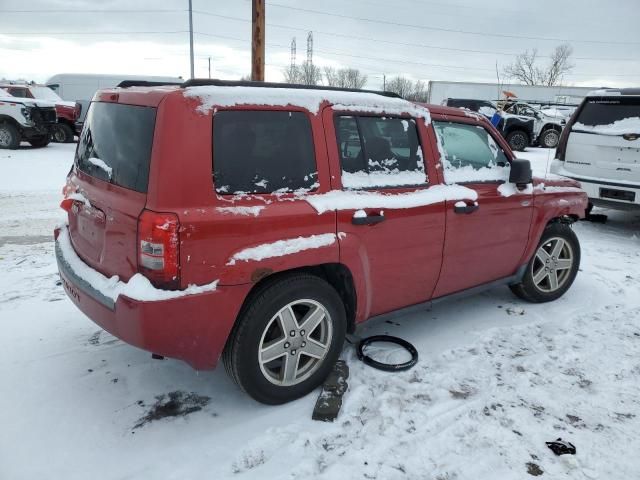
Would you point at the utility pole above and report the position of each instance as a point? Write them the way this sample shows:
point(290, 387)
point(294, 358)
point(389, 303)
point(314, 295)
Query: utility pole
point(384, 82)
point(191, 37)
point(209, 67)
point(257, 41)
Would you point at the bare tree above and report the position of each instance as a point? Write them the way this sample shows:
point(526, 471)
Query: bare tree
point(525, 67)
point(245, 78)
point(344, 77)
point(305, 74)
point(559, 64)
point(407, 89)
point(400, 85)
point(310, 74)
point(292, 74)
point(419, 93)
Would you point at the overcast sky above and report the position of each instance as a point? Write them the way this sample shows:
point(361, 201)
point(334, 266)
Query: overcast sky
point(428, 40)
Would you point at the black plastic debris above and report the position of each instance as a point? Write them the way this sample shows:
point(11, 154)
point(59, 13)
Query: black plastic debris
point(562, 447)
point(330, 399)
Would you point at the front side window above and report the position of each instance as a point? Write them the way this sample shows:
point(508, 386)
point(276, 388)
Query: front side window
point(379, 152)
point(263, 152)
point(470, 154)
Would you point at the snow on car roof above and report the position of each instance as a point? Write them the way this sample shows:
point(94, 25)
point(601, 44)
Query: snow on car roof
point(212, 96)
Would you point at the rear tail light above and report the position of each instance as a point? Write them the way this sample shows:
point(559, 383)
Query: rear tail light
point(561, 149)
point(158, 249)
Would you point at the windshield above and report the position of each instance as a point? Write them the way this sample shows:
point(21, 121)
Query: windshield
point(115, 144)
point(44, 93)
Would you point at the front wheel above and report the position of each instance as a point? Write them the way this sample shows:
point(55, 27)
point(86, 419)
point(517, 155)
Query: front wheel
point(287, 339)
point(554, 266)
point(518, 140)
point(9, 136)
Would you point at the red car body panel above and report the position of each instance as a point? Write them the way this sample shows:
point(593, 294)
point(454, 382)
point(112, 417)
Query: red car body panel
point(415, 255)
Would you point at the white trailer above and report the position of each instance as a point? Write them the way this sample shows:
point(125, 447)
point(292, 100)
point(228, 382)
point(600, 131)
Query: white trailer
point(80, 87)
point(440, 90)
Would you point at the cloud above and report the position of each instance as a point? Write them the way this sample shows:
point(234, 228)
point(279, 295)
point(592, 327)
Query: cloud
point(223, 33)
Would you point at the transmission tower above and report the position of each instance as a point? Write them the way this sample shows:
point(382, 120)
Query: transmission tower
point(310, 48)
point(293, 53)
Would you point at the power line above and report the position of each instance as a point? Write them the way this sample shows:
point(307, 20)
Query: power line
point(450, 30)
point(402, 61)
point(94, 33)
point(405, 44)
point(96, 11)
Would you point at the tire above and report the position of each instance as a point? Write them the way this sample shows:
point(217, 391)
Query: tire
point(9, 136)
point(518, 140)
point(544, 289)
point(549, 138)
point(62, 133)
point(39, 142)
point(260, 325)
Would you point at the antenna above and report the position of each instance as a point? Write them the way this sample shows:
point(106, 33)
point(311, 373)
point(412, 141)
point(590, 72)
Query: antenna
point(293, 53)
point(310, 48)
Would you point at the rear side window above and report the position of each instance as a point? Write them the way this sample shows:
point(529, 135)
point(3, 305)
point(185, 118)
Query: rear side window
point(263, 152)
point(608, 110)
point(379, 152)
point(115, 144)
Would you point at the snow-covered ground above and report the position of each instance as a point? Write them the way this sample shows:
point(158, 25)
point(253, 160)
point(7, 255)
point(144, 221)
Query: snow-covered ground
point(497, 377)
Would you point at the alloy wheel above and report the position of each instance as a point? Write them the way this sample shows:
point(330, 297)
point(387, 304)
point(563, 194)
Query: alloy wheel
point(5, 138)
point(550, 139)
point(552, 265)
point(295, 342)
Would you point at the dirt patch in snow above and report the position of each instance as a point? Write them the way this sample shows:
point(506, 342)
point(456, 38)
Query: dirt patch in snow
point(173, 404)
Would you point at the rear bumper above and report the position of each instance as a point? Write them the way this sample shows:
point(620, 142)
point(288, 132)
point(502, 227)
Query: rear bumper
point(603, 192)
point(193, 328)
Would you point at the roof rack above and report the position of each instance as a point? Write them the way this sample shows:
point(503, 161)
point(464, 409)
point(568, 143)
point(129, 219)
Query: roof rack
point(143, 83)
point(201, 82)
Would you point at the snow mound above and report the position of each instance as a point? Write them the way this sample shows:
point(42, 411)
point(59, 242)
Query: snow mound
point(619, 127)
point(137, 288)
point(311, 99)
point(283, 247)
point(356, 200)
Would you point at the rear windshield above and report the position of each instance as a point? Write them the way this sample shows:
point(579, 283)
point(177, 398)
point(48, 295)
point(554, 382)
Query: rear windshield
point(115, 144)
point(607, 110)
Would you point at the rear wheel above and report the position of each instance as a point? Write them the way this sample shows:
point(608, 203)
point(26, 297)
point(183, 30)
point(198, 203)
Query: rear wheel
point(9, 136)
point(39, 142)
point(288, 336)
point(62, 133)
point(518, 140)
point(549, 138)
point(554, 266)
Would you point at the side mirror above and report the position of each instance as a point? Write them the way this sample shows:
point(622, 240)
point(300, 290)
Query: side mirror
point(520, 173)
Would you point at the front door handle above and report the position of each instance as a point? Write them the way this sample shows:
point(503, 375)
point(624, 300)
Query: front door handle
point(368, 220)
point(466, 208)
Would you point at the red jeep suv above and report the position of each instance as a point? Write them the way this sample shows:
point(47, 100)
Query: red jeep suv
point(259, 223)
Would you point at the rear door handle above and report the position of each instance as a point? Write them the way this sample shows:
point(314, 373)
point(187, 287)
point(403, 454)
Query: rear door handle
point(368, 220)
point(466, 208)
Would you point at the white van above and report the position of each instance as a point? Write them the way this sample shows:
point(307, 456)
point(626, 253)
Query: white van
point(80, 87)
point(600, 147)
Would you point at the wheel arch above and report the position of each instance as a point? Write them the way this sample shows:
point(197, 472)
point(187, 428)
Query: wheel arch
point(337, 275)
point(551, 126)
point(10, 120)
